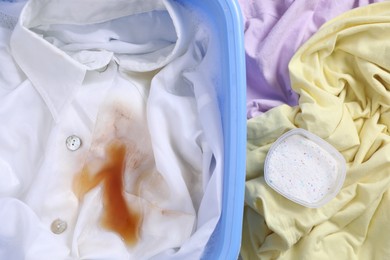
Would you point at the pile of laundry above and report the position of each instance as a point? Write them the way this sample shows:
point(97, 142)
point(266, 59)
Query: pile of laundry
point(318, 140)
point(321, 67)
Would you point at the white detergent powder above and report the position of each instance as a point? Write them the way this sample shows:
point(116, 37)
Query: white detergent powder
point(301, 169)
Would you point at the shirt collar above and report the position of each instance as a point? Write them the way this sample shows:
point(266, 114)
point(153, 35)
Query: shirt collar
point(55, 74)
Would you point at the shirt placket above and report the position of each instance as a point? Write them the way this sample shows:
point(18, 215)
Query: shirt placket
point(69, 144)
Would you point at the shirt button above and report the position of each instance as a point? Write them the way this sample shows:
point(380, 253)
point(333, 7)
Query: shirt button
point(73, 143)
point(58, 226)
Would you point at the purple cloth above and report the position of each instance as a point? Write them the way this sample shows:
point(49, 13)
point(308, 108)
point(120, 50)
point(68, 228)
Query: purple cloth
point(274, 30)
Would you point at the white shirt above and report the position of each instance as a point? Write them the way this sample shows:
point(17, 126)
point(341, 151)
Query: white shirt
point(128, 80)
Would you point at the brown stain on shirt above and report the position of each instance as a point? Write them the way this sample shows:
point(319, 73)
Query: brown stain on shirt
point(117, 215)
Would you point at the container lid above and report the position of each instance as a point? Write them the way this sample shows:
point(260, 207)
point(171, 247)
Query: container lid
point(304, 168)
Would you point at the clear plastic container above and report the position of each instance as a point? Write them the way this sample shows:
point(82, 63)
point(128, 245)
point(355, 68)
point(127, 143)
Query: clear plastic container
point(304, 168)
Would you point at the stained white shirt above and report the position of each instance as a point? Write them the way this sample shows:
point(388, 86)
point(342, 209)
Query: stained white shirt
point(123, 78)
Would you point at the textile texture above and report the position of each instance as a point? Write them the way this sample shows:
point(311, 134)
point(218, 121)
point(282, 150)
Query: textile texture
point(274, 30)
point(342, 77)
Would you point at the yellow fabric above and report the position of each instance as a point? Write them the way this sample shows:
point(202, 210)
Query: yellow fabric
point(342, 75)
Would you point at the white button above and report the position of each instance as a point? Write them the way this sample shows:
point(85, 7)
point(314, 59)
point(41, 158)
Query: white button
point(58, 226)
point(73, 142)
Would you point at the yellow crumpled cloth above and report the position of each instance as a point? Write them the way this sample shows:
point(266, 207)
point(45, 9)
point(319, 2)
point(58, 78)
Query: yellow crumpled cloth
point(342, 75)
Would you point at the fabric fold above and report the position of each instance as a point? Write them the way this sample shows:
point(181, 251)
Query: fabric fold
point(274, 31)
point(341, 75)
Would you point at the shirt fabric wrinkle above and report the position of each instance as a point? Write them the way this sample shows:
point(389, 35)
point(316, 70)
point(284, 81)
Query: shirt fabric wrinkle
point(85, 91)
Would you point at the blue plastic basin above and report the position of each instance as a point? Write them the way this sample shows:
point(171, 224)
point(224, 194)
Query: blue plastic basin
point(226, 16)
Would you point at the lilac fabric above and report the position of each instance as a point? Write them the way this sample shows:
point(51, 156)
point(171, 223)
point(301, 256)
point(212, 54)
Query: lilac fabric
point(274, 30)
